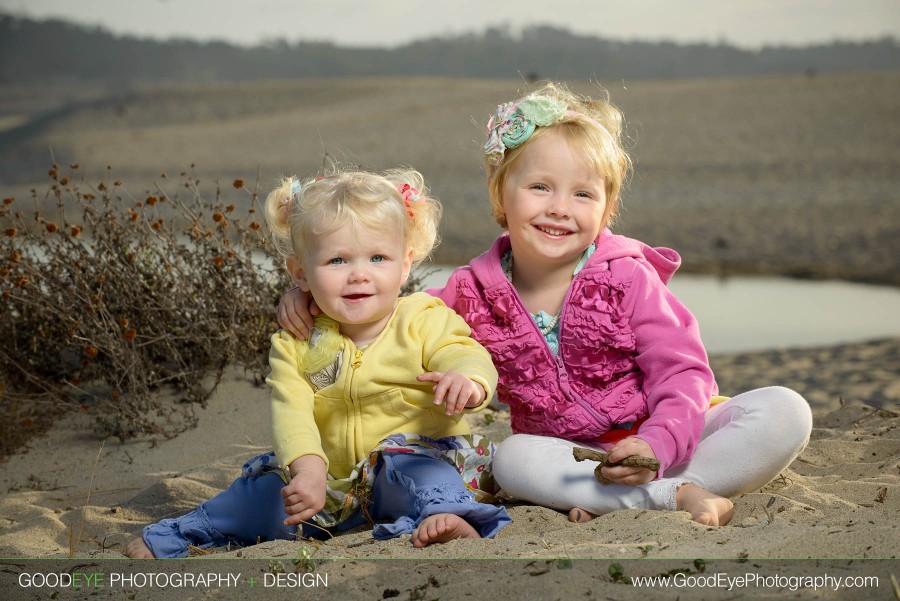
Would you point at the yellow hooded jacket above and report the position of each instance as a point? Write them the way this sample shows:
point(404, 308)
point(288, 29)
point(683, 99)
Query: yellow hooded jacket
point(376, 393)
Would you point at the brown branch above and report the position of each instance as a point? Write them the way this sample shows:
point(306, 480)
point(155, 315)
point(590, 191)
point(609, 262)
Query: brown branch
point(583, 454)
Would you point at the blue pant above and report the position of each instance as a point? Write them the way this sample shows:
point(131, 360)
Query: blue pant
point(408, 488)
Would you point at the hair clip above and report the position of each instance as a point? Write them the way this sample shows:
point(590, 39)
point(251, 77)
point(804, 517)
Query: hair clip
point(409, 194)
point(287, 201)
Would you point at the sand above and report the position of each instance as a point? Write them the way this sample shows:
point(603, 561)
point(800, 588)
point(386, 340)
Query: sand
point(836, 508)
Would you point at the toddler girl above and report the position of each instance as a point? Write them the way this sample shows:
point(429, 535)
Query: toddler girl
point(591, 348)
point(367, 414)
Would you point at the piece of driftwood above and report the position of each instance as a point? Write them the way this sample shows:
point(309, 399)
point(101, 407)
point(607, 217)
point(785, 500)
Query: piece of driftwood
point(582, 454)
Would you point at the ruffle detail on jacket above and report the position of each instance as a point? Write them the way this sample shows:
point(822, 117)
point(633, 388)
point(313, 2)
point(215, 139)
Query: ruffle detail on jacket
point(500, 325)
point(597, 347)
point(597, 308)
point(600, 342)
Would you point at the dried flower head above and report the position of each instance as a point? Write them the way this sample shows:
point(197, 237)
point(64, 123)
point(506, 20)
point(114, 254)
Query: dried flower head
point(238, 183)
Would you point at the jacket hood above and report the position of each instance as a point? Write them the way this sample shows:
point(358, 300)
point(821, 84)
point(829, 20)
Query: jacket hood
point(609, 246)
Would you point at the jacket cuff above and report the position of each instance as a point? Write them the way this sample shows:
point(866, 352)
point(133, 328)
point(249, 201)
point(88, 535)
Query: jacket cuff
point(489, 394)
point(663, 445)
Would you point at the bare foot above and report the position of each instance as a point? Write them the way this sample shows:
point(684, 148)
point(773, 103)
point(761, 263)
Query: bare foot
point(580, 516)
point(137, 549)
point(442, 528)
point(705, 507)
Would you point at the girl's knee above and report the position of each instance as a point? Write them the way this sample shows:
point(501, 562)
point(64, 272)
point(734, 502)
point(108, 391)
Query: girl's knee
point(793, 408)
point(788, 415)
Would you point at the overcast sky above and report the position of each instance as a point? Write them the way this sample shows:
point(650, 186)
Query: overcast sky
point(746, 23)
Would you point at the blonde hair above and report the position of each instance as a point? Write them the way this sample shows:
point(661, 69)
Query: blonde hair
point(297, 212)
point(592, 127)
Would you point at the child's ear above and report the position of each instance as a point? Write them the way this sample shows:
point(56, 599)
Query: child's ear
point(407, 265)
point(295, 268)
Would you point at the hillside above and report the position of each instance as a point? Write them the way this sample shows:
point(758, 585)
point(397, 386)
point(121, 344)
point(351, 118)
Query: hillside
point(53, 50)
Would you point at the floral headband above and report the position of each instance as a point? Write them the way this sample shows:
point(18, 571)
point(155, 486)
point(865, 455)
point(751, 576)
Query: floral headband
point(514, 122)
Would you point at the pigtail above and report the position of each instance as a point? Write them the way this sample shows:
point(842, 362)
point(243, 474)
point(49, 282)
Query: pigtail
point(279, 204)
point(422, 209)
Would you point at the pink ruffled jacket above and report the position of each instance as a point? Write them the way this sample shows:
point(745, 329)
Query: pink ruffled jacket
point(628, 349)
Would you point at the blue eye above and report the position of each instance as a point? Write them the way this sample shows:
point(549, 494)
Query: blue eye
point(336, 261)
point(377, 258)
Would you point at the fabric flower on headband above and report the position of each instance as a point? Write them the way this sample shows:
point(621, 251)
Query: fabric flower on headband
point(514, 122)
point(409, 194)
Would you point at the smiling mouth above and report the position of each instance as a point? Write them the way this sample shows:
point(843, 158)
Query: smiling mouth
point(353, 297)
point(552, 231)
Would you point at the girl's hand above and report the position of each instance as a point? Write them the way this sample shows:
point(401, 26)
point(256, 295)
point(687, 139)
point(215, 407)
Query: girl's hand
point(296, 311)
point(455, 390)
point(629, 475)
point(304, 495)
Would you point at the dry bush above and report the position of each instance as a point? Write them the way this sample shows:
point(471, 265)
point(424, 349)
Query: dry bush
point(109, 300)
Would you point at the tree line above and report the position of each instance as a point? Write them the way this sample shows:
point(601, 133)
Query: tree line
point(35, 51)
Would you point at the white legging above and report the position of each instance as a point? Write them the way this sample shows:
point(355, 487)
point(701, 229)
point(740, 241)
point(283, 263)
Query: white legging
point(747, 441)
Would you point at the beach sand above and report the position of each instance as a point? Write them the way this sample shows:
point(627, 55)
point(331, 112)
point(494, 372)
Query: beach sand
point(71, 494)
